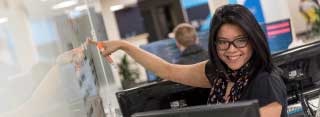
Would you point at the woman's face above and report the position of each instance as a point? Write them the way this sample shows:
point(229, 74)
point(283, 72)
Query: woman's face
point(233, 55)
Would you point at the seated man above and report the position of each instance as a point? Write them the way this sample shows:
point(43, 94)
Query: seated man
point(187, 42)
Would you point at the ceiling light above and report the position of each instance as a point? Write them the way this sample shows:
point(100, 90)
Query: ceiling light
point(3, 20)
point(43, 0)
point(116, 7)
point(64, 4)
point(81, 7)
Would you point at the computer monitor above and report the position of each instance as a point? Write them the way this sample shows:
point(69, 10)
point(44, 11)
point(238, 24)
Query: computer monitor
point(160, 95)
point(238, 109)
point(300, 64)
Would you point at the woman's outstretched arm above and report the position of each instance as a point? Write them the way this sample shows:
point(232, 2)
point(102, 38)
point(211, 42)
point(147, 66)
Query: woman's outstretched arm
point(192, 75)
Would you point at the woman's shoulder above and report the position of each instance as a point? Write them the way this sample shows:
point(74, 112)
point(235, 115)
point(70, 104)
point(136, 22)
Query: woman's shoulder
point(269, 79)
point(267, 87)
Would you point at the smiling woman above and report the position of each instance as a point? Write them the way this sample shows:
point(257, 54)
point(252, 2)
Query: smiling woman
point(239, 68)
point(236, 52)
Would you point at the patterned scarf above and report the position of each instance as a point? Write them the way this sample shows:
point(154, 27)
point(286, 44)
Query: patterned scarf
point(238, 77)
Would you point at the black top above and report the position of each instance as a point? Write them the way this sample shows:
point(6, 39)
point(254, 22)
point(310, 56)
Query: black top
point(265, 87)
point(193, 54)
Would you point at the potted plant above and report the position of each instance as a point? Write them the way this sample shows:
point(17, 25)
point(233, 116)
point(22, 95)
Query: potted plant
point(128, 74)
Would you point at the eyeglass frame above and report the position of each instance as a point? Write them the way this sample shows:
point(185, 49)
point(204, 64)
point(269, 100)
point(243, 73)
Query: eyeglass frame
point(232, 42)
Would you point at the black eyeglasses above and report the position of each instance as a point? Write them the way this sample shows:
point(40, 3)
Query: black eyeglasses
point(238, 43)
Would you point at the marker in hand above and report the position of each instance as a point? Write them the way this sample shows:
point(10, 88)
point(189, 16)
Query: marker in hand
point(100, 47)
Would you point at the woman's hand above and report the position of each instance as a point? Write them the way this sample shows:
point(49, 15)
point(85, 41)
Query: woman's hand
point(107, 47)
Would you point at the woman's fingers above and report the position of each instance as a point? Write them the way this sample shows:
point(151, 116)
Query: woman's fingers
point(105, 53)
point(102, 48)
point(99, 44)
point(91, 41)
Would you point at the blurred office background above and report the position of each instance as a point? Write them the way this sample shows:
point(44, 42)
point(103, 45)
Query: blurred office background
point(34, 33)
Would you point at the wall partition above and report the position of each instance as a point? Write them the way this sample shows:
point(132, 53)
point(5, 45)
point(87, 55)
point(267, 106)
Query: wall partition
point(45, 69)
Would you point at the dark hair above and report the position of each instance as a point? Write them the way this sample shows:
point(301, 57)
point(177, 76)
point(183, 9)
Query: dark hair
point(241, 16)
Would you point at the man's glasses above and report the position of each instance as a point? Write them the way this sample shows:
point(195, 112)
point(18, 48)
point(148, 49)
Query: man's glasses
point(238, 43)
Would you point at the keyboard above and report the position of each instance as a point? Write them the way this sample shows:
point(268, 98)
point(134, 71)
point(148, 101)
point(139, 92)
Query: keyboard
point(296, 109)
